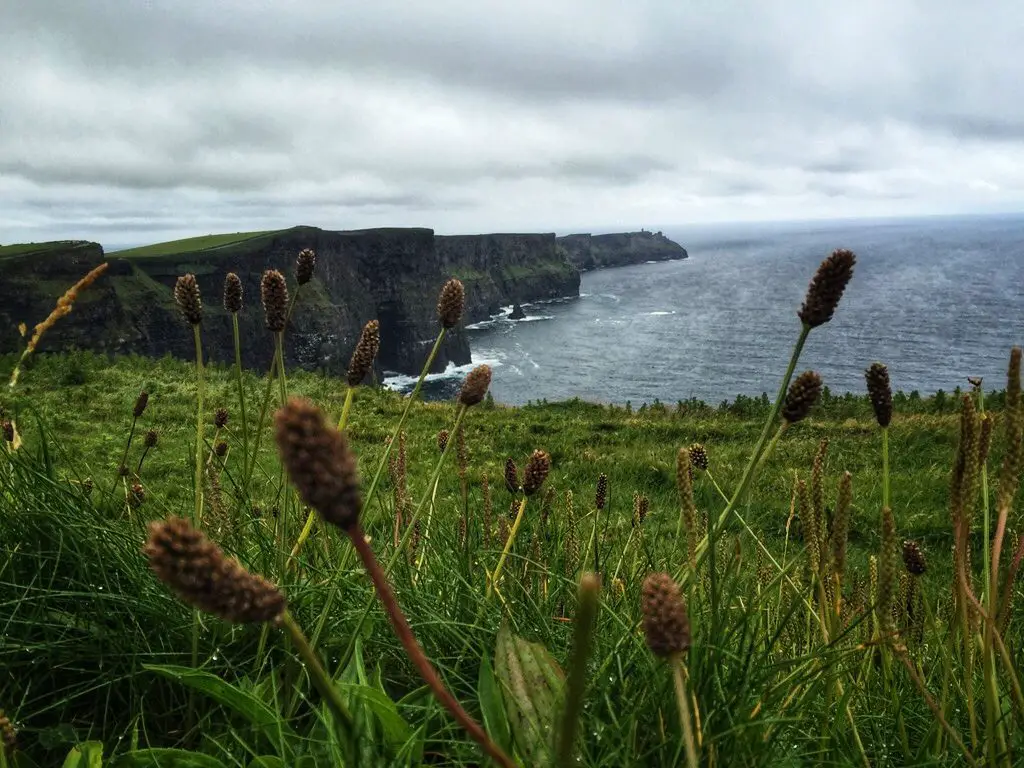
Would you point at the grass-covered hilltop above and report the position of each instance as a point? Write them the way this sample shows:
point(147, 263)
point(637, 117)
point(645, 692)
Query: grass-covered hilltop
point(209, 565)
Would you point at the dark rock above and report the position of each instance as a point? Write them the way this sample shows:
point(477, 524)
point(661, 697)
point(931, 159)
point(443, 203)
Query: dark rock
point(517, 312)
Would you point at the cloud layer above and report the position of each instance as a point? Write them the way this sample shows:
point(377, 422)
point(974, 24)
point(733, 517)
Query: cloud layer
point(131, 122)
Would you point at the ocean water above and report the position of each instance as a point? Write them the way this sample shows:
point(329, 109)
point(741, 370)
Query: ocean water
point(937, 300)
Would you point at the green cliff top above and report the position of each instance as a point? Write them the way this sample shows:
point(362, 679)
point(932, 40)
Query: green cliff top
point(194, 244)
point(36, 249)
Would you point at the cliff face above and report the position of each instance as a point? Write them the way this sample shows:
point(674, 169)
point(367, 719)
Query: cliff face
point(503, 269)
point(588, 252)
point(393, 275)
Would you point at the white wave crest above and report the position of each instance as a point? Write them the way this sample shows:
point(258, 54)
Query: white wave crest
point(400, 382)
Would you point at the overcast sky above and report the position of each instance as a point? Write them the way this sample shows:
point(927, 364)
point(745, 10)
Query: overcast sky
point(129, 121)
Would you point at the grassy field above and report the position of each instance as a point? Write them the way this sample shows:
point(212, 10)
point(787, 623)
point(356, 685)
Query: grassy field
point(192, 244)
point(809, 641)
point(38, 249)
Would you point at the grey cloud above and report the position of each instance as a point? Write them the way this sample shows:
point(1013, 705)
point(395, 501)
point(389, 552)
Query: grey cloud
point(188, 114)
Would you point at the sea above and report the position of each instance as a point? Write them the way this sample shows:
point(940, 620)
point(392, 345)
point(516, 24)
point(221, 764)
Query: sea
point(936, 299)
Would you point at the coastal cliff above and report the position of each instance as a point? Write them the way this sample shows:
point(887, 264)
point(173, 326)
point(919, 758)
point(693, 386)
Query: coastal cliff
point(588, 252)
point(503, 269)
point(393, 275)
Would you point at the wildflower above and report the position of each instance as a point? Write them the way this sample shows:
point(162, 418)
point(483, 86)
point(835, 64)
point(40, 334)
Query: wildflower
point(826, 288)
point(451, 303)
point(319, 462)
point(364, 354)
point(186, 295)
point(274, 293)
point(304, 266)
point(666, 623)
point(475, 386)
point(232, 293)
point(199, 573)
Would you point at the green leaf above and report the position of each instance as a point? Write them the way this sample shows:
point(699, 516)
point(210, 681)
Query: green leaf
point(495, 718)
point(166, 758)
point(532, 685)
point(396, 730)
point(262, 717)
point(87, 755)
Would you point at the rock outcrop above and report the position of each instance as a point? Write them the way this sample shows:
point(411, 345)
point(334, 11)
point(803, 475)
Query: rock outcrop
point(587, 252)
point(503, 269)
point(393, 275)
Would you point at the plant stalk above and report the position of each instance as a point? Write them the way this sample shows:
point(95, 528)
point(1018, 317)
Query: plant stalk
point(508, 546)
point(415, 652)
point(317, 674)
point(685, 718)
point(241, 385)
point(583, 639)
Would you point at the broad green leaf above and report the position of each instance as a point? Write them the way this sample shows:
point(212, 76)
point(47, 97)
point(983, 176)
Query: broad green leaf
point(86, 755)
point(495, 718)
point(532, 686)
point(396, 730)
point(262, 717)
point(166, 758)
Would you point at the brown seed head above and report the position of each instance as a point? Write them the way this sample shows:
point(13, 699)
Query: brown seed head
point(186, 294)
point(475, 386)
point(220, 418)
point(641, 506)
point(140, 404)
point(511, 476)
point(221, 449)
point(442, 440)
point(274, 293)
point(199, 573)
point(8, 430)
point(364, 354)
point(8, 736)
point(826, 288)
point(666, 623)
point(152, 438)
point(232, 293)
point(880, 392)
point(802, 395)
point(536, 472)
point(451, 303)
point(319, 462)
point(698, 456)
point(913, 558)
point(985, 441)
point(138, 494)
point(304, 266)
point(601, 495)
point(123, 471)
